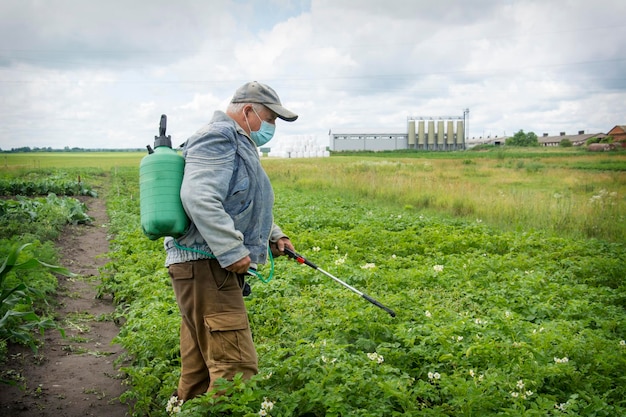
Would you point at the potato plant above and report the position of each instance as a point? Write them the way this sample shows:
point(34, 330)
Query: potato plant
point(488, 322)
point(44, 182)
point(28, 227)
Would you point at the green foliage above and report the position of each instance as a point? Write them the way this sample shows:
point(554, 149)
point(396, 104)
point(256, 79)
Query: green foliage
point(523, 139)
point(17, 316)
point(605, 139)
point(488, 322)
point(27, 276)
point(34, 184)
point(43, 217)
point(43, 188)
point(565, 143)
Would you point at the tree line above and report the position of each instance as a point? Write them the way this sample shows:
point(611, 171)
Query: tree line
point(25, 149)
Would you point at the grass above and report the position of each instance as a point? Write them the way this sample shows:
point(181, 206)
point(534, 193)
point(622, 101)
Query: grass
point(512, 193)
point(101, 160)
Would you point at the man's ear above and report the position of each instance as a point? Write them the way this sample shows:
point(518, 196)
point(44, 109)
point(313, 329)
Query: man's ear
point(247, 109)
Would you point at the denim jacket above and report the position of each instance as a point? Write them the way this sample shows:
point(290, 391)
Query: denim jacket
point(227, 196)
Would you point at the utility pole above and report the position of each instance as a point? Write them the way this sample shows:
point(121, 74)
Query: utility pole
point(466, 123)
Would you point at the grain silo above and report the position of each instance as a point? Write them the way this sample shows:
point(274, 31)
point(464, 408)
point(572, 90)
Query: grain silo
point(459, 141)
point(411, 138)
point(430, 139)
point(450, 135)
point(420, 135)
point(440, 135)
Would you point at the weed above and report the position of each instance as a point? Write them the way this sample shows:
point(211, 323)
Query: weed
point(104, 317)
point(93, 391)
point(11, 377)
point(534, 167)
point(78, 339)
point(462, 208)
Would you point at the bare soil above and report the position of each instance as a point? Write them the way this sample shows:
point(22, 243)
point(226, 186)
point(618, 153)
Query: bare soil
point(74, 375)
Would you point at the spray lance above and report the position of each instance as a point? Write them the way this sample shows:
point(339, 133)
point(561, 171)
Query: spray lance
point(301, 259)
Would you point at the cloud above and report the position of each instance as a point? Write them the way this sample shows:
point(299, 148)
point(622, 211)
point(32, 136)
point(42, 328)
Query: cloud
point(70, 34)
point(100, 74)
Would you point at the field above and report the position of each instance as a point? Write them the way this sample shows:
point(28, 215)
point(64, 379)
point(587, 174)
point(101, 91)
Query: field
point(505, 268)
point(568, 193)
point(98, 160)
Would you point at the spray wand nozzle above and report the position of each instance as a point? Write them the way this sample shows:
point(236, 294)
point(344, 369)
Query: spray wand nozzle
point(301, 259)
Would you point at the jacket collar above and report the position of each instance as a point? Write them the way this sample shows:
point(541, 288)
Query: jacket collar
point(220, 116)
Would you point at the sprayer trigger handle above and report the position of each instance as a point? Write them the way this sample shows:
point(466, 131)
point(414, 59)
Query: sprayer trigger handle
point(299, 258)
point(290, 253)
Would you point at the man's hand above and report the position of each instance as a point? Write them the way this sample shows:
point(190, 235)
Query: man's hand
point(240, 267)
point(278, 247)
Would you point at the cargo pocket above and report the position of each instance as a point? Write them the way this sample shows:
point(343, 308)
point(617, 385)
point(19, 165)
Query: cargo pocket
point(181, 271)
point(229, 337)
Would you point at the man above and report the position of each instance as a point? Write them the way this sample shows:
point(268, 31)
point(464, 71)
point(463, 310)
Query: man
point(228, 198)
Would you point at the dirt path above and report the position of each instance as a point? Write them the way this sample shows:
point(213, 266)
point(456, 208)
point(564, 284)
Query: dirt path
point(72, 376)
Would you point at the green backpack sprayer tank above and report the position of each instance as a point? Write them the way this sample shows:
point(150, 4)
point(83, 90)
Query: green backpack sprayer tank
point(160, 178)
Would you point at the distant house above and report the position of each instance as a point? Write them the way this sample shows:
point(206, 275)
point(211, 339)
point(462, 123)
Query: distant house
point(619, 135)
point(577, 140)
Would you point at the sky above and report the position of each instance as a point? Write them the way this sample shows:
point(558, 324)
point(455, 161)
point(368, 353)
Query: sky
point(99, 74)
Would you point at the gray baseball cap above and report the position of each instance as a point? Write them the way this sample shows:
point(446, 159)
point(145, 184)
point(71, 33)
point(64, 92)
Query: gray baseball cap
point(256, 92)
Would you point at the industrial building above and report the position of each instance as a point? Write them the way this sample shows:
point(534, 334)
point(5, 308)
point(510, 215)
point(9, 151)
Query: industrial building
point(444, 133)
point(448, 133)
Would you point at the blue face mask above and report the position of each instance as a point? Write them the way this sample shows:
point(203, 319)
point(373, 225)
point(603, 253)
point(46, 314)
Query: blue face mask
point(265, 132)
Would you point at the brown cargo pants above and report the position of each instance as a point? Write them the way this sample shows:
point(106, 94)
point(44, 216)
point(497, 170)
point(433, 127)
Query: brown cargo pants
point(215, 337)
